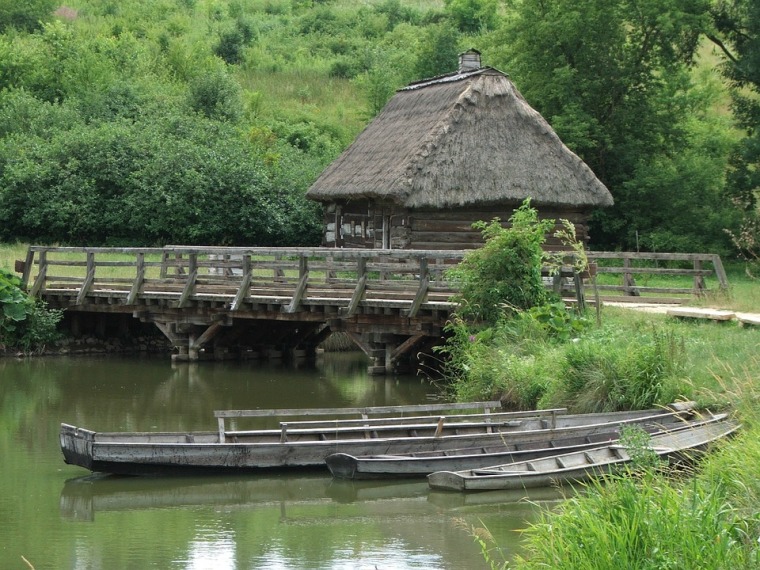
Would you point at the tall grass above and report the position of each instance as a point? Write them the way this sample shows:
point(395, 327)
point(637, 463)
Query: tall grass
point(709, 520)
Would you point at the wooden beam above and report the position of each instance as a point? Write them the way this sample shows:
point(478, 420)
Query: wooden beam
point(361, 286)
point(39, 282)
point(405, 346)
point(139, 280)
point(189, 288)
point(303, 270)
point(359, 342)
point(89, 278)
point(207, 335)
point(245, 285)
point(28, 264)
point(419, 298)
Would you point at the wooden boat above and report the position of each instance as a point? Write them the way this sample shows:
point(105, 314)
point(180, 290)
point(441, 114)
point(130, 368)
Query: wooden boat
point(308, 443)
point(673, 445)
point(423, 463)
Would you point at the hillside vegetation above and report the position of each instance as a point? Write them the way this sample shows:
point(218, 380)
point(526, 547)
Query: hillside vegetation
point(205, 121)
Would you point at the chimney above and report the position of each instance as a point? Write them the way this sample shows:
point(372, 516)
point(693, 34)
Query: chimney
point(469, 61)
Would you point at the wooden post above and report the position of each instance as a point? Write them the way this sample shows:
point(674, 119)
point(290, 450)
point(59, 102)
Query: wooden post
point(422, 291)
point(139, 279)
point(720, 272)
point(245, 285)
point(361, 285)
point(303, 272)
point(628, 281)
point(39, 282)
point(90, 277)
point(190, 285)
point(699, 280)
point(27, 268)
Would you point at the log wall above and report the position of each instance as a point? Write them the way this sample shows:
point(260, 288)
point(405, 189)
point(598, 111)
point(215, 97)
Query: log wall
point(365, 224)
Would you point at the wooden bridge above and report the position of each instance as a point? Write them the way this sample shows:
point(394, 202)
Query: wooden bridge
point(215, 302)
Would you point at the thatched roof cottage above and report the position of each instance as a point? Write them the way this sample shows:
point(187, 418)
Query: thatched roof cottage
point(447, 152)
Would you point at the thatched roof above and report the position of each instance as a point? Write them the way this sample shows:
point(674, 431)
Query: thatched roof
point(461, 139)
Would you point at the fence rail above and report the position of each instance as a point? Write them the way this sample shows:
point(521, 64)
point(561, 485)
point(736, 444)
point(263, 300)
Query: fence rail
point(656, 277)
point(347, 279)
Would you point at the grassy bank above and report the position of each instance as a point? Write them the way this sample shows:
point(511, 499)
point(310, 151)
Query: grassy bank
point(704, 519)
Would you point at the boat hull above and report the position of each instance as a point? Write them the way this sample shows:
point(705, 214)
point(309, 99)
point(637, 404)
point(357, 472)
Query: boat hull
point(176, 453)
point(673, 446)
point(346, 466)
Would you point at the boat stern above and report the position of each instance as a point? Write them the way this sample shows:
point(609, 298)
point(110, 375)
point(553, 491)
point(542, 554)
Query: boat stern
point(342, 465)
point(446, 481)
point(76, 445)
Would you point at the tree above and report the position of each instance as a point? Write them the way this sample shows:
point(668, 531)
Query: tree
point(737, 34)
point(25, 15)
point(613, 79)
point(438, 53)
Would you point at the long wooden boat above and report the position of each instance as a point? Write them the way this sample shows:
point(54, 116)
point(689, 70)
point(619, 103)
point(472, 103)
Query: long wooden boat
point(423, 463)
point(308, 443)
point(674, 445)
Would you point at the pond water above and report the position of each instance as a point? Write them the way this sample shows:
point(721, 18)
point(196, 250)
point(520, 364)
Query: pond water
point(57, 516)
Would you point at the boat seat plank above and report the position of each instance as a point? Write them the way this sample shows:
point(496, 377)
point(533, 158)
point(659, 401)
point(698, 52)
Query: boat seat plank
point(412, 429)
point(376, 410)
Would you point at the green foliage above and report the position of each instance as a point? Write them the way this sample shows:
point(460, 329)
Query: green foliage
point(645, 523)
point(175, 179)
point(25, 324)
point(737, 34)
point(515, 360)
point(550, 320)
point(215, 95)
point(472, 15)
point(26, 14)
point(608, 372)
point(505, 274)
point(438, 52)
point(613, 78)
point(637, 443)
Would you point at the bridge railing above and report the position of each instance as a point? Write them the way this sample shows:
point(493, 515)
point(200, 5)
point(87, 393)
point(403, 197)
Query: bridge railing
point(281, 276)
point(342, 279)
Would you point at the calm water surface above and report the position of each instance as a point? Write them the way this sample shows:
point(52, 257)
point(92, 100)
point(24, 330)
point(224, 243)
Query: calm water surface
point(61, 517)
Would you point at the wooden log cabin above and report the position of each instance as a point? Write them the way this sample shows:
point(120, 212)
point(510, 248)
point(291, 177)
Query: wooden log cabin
point(447, 152)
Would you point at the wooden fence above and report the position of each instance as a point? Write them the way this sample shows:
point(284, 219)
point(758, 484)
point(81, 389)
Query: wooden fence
point(344, 279)
point(655, 277)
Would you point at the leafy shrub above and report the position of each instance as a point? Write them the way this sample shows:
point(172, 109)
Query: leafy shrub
point(26, 15)
point(499, 362)
point(548, 321)
point(215, 95)
point(25, 324)
point(504, 276)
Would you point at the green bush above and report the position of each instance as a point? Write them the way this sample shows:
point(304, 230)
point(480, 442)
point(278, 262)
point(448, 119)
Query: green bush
point(504, 276)
point(25, 324)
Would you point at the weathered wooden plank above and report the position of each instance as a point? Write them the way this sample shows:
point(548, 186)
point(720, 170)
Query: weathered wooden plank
point(655, 271)
point(640, 289)
point(486, 406)
point(139, 280)
point(188, 290)
point(301, 287)
point(699, 313)
point(448, 237)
